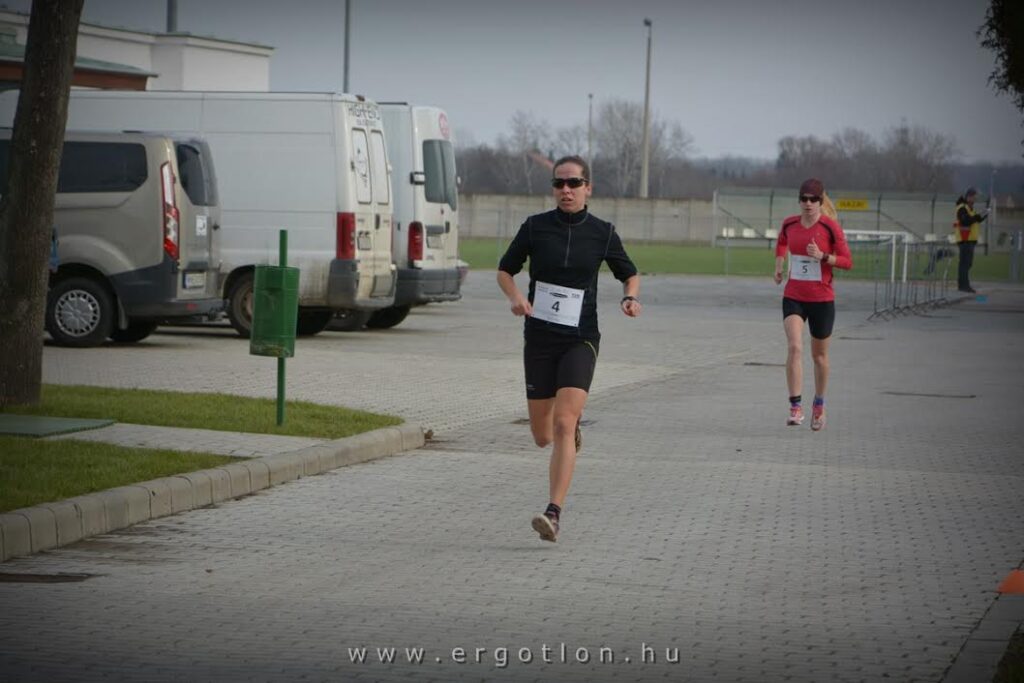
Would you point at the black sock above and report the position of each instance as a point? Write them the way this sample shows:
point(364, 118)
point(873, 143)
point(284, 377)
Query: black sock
point(795, 400)
point(553, 511)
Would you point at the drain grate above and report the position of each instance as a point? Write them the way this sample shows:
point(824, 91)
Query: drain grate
point(914, 393)
point(10, 577)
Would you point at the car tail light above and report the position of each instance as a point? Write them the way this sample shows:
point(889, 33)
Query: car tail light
point(170, 210)
point(346, 238)
point(415, 241)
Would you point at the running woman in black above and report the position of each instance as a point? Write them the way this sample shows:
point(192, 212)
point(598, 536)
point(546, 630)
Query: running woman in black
point(565, 248)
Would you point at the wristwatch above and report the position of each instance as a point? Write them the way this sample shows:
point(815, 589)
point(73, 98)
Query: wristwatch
point(628, 298)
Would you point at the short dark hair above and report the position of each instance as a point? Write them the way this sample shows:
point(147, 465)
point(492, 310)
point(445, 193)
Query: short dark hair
point(573, 159)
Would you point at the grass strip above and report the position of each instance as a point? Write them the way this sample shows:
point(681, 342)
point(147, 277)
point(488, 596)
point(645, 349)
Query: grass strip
point(222, 412)
point(37, 471)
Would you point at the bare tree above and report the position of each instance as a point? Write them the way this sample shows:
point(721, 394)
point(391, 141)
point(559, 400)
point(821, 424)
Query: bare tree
point(859, 155)
point(916, 158)
point(528, 135)
point(570, 140)
point(26, 210)
point(617, 137)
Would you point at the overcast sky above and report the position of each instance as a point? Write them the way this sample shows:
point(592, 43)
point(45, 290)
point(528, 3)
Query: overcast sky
point(736, 74)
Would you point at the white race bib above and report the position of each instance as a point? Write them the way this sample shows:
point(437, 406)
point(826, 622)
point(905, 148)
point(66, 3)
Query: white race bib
point(556, 304)
point(804, 268)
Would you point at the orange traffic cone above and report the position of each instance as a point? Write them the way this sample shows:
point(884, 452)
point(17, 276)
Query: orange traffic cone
point(1013, 583)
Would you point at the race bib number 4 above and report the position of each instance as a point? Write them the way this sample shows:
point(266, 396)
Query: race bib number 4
point(804, 268)
point(556, 304)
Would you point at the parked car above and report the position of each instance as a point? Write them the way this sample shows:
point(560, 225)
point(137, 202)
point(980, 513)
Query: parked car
point(134, 222)
point(312, 163)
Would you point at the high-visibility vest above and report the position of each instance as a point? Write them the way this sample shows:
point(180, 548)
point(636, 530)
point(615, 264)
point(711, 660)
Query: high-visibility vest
point(966, 233)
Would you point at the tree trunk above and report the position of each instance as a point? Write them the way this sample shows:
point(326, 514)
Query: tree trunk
point(26, 210)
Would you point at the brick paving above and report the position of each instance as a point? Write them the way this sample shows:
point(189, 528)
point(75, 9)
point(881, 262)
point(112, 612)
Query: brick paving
point(698, 525)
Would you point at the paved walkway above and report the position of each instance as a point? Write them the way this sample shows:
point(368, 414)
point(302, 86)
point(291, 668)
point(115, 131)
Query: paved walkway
point(699, 528)
point(238, 444)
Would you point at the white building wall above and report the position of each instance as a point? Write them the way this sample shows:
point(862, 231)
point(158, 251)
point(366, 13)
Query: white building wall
point(181, 61)
point(204, 68)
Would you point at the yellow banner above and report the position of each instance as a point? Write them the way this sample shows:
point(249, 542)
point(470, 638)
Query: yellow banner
point(852, 205)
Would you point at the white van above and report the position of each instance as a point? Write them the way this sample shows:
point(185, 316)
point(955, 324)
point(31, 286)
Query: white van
point(313, 163)
point(426, 209)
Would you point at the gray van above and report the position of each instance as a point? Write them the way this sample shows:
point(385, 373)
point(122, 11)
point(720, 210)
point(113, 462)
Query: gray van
point(134, 220)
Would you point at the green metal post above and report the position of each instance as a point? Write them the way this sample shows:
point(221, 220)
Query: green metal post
point(283, 262)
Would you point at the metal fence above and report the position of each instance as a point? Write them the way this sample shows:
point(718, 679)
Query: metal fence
point(909, 275)
point(755, 213)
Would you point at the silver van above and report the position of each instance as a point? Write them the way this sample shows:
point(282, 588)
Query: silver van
point(134, 223)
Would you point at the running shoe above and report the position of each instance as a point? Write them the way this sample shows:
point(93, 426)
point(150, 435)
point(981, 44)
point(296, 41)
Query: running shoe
point(579, 437)
point(546, 526)
point(817, 417)
point(796, 416)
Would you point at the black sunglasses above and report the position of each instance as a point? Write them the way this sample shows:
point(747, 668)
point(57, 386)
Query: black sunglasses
point(810, 198)
point(559, 183)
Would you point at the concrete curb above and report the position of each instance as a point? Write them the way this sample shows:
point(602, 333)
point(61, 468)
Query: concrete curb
point(51, 525)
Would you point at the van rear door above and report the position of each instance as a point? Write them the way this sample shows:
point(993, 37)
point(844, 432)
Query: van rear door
point(199, 217)
point(438, 203)
point(372, 181)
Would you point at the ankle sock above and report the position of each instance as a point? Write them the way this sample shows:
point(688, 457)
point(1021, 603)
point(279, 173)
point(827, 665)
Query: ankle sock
point(819, 400)
point(553, 511)
point(794, 401)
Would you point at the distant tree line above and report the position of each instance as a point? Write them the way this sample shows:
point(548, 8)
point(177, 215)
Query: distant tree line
point(907, 158)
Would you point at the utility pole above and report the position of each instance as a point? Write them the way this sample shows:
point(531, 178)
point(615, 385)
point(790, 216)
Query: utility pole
point(172, 16)
point(646, 158)
point(348, 6)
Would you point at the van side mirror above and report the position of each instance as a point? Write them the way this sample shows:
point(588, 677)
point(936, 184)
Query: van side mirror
point(418, 178)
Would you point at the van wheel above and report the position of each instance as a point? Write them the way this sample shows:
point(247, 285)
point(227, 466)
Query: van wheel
point(240, 305)
point(387, 317)
point(312, 322)
point(137, 330)
point(348, 320)
point(79, 312)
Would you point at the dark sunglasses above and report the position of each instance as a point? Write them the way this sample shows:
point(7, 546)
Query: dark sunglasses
point(813, 198)
point(559, 183)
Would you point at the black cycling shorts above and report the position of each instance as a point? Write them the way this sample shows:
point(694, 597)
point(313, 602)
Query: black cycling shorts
point(820, 315)
point(553, 361)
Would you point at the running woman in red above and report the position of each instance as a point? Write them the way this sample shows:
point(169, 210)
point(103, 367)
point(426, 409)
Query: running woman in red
point(815, 244)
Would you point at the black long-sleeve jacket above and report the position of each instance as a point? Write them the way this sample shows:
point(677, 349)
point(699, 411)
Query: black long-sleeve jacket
point(567, 250)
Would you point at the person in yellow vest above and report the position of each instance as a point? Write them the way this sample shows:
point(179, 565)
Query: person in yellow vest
point(967, 228)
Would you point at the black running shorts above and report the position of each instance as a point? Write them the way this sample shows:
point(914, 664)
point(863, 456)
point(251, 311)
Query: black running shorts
point(819, 315)
point(553, 361)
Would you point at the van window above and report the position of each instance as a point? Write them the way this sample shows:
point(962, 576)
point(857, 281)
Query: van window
point(439, 169)
point(381, 188)
point(361, 165)
point(102, 167)
point(196, 176)
point(92, 166)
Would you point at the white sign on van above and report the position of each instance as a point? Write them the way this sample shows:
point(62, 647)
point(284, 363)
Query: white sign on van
point(200, 226)
point(364, 114)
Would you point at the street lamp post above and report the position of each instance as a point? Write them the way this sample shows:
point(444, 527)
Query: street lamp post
point(590, 130)
point(645, 159)
point(344, 82)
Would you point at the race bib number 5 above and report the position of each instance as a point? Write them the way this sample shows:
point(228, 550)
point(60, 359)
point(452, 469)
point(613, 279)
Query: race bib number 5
point(804, 268)
point(556, 304)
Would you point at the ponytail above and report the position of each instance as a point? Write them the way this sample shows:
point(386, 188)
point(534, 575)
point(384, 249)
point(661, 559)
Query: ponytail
point(828, 208)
